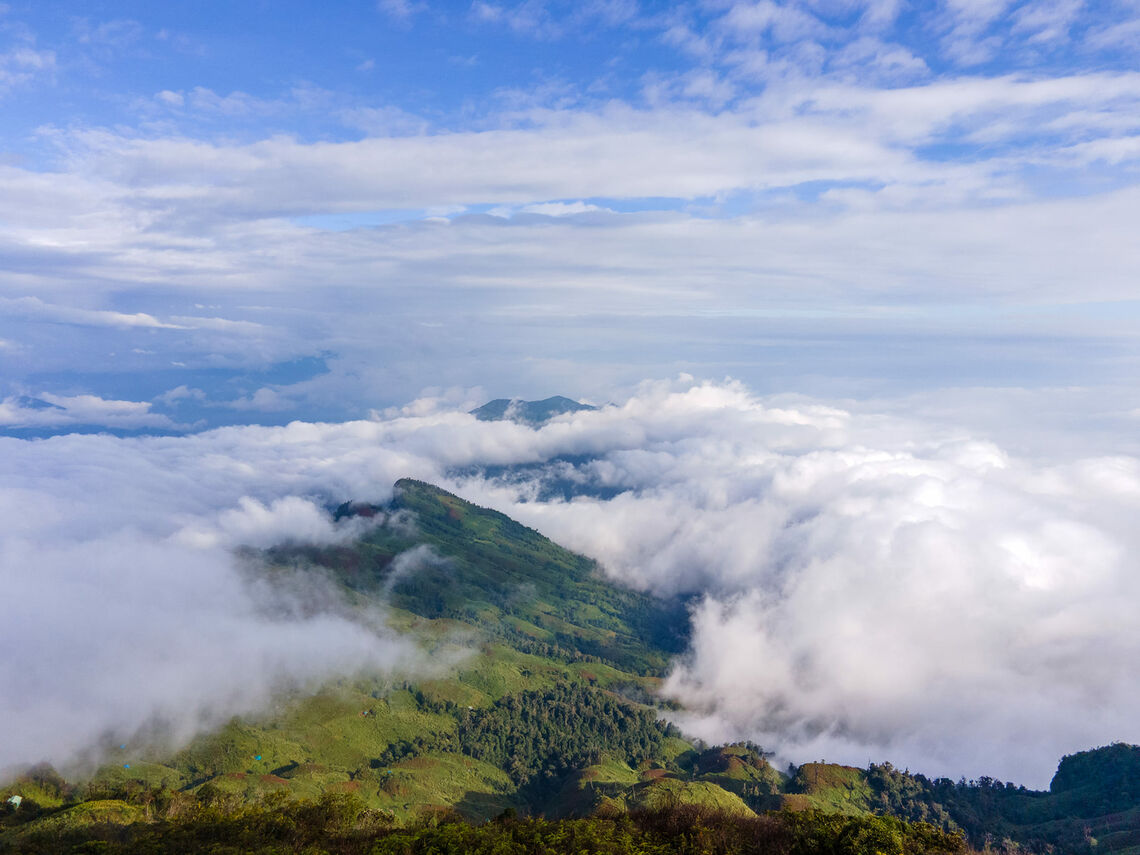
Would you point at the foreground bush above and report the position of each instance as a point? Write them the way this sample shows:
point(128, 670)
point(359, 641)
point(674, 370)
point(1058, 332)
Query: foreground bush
point(339, 824)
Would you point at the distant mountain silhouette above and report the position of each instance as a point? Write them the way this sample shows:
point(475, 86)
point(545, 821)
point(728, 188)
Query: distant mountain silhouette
point(528, 412)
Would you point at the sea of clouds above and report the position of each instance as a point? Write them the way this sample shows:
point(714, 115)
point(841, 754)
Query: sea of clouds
point(868, 586)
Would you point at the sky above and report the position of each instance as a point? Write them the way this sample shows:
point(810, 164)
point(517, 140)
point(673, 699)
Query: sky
point(249, 212)
point(258, 256)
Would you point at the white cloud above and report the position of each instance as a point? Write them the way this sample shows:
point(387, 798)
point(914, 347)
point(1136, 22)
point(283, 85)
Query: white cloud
point(23, 63)
point(895, 246)
point(114, 561)
point(119, 635)
point(790, 135)
point(291, 519)
point(542, 20)
point(401, 10)
point(869, 55)
point(874, 586)
point(908, 601)
point(220, 324)
point(784, 22)
point(33, 307)
point(109, 35)
point(384, 121)
point(967, 22)
point(1047, 22)
point(1117, 35)
point(179, 393)
point(264, 400)
point(560, 209)
point(63, 411)
point(881, 13)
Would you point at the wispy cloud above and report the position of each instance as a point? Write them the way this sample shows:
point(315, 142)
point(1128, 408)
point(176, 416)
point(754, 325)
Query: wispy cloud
point(33, 307)
point(21, 64)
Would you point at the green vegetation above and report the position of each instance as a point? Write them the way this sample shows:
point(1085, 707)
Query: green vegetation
point(546, 711)
point(1090, 807)
point(547, 734)
point(829, 787)
point(339, 823)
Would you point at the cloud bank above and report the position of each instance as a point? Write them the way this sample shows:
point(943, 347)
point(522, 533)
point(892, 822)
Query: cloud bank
point(871, 588)
point(868, 586)
point(125, 614)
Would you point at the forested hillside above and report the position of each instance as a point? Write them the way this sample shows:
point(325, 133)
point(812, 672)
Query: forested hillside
point(545, 710)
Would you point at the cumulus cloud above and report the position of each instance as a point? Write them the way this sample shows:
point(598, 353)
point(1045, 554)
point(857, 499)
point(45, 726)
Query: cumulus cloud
point(120, 635)
point(868, 586)
point(291, 519)
point(125, 612)
point(931, 600)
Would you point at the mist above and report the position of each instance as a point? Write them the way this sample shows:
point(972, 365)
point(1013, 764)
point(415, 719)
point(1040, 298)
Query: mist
point(867, 585)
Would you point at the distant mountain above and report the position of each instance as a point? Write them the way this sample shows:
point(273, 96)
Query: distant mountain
point(548, 710)
point(532, 413)
point(28, 403)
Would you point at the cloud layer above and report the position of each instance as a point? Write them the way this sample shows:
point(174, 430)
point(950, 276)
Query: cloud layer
point(125, 614)
point(869, 586)
point(871, 590)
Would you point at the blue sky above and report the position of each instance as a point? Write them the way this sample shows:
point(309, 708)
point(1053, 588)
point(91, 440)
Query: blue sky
point(220, 213)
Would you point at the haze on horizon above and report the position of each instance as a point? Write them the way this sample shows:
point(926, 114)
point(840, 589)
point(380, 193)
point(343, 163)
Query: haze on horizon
point(859, 277)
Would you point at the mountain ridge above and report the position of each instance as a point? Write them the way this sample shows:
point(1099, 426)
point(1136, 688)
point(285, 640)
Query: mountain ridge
point(534, 413)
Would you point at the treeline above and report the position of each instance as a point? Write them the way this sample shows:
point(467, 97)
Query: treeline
point(537, 737)
point(338, 824)
point(1002, 816)
point(544, 734)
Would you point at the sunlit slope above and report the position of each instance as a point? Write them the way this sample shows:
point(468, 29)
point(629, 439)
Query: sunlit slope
point(541, 700)
point(509, 581)
point(513, 618)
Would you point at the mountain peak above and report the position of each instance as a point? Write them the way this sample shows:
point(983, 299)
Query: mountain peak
point(532, 413)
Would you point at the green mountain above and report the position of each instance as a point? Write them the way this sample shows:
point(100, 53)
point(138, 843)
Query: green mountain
point(528, 412)
point(542, 704)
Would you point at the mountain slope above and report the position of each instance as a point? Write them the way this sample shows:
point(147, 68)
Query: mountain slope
point(542, 648)
point(542, 703)
point(506, 579)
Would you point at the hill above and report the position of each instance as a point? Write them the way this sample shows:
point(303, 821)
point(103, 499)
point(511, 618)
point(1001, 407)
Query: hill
point(543, 706)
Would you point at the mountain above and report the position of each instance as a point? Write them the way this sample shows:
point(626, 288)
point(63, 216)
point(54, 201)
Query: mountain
point(528, 412)
point(543, 706)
